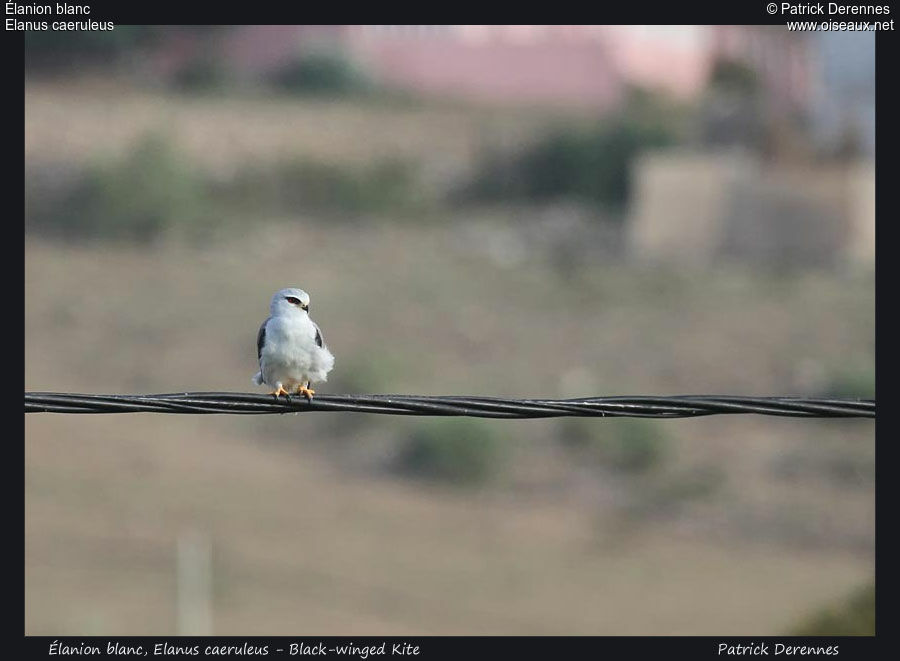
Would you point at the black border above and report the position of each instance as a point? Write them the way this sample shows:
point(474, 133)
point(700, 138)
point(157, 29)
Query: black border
point(460, 647)
point(169, 12)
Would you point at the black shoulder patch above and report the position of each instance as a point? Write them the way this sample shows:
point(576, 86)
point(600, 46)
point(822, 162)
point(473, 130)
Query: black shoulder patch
point(319, 340)
point(261, 339)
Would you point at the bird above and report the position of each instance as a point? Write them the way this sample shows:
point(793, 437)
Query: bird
point(290, 347)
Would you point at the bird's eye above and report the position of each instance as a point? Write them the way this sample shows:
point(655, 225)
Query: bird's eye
point(293, 300)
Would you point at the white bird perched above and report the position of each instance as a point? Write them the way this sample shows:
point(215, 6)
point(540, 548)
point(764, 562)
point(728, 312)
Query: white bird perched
point(291, 351)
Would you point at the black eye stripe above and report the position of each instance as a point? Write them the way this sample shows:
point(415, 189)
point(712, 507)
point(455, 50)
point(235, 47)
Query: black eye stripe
point(293, 300)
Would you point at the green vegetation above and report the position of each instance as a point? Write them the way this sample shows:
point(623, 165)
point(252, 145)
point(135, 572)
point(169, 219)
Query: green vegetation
point(59, 48)
point(733, 110)
point(203, 73)
point(386, 186)
point(626, 445)
point(327, 74)
point(734, 76)
point(851, 382)
point(591, 165)
point(55, 50)
point(155, 189)
point(454, 450)
point(135, 199)
point(853, 616)
point(640, 449)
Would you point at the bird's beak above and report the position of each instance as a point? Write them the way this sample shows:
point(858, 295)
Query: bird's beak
point(304, 307)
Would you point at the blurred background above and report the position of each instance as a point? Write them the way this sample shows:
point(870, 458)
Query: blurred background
point(551, 211)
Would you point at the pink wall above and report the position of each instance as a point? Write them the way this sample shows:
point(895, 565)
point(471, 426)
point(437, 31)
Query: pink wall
point(563, 73)
point(588, 66)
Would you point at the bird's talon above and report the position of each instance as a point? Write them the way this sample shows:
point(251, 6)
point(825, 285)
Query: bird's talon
point(306, 392)
point(280, 391)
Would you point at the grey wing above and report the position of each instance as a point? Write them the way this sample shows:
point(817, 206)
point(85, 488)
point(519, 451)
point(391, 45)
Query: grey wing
point(320, 341)
point(261, 339)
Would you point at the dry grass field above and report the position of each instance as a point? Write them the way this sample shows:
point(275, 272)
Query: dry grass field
point(746, 525)
point(85, 120)
point(311, 534)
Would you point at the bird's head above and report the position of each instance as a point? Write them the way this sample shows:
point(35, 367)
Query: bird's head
point(289, 301)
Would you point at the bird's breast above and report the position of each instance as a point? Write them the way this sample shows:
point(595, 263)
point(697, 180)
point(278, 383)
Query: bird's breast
point(289, 338)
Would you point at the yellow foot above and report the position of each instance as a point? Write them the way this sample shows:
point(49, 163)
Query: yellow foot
point(280, 391)
point(306, 392)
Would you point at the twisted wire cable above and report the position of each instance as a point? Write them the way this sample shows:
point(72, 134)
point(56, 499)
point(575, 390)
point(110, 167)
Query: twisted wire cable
point(641, 406)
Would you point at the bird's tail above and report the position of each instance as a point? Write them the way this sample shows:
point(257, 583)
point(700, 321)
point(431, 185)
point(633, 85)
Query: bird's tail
point(257, 378)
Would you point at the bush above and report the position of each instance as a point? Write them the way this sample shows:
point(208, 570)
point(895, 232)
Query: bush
point(379, 187)
point(638, 446)
point(202, 73)
point(62, 50)
point(854, 616)
point(631, 446)
point(55, 51)
point(590, 166)
point(136, 199)
point(154, 189)
point(851, 382)
point(386, 186)
point(734, 76)
point(321, 74)
point(455, 450)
